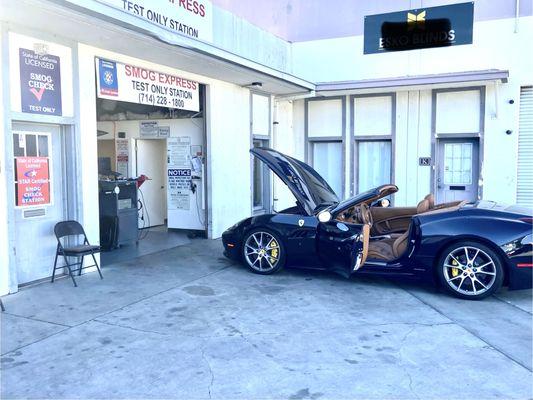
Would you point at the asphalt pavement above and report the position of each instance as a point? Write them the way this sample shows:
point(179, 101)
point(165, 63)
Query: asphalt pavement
point(187, 323)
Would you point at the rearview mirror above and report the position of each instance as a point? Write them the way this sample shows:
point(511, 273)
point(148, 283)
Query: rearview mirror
point(384, 203)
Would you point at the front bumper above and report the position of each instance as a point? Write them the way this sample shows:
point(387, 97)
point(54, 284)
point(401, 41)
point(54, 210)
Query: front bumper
point(232, 248)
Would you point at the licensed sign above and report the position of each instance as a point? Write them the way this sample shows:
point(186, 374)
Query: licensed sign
point(40, 83)
point(419, 28)
point(191, 18)
point(125, 82)
point(33, 181)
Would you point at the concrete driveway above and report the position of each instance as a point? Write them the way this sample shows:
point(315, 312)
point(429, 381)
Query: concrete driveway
point(187, 323)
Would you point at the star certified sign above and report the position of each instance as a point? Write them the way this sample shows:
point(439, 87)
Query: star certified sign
point(419, 28)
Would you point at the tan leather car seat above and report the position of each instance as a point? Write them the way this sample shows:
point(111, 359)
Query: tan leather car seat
point(423, 206)
point(431, 198)
point(389, 249)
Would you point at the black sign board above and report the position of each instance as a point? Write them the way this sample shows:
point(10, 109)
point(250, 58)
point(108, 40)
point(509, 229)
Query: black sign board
point(40, 83)
point(424, 161)
point(419, 28)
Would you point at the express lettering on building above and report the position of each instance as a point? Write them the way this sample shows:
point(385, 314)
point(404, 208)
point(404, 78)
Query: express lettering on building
point(191, 6)
point(159, 77)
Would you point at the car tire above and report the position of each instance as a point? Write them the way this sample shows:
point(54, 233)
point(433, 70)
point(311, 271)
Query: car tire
point(263, 251)
point(470, 270)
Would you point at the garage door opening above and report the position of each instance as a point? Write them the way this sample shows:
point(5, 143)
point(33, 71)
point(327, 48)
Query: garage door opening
point(152, 176)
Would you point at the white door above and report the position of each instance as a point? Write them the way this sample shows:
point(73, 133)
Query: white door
point(39, 201)
point(457, 170)
point(151, 161)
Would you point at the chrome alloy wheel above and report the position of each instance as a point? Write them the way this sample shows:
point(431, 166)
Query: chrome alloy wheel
point(262, 251)
point(469, 270)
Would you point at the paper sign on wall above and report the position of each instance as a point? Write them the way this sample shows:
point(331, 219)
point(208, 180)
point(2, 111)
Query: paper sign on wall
point(179, 174)
point(179, 186)
point(164, 131)
point(125, 82)
point(33, 181)
point(149, 129)
point(40, 83)
point(122, 154)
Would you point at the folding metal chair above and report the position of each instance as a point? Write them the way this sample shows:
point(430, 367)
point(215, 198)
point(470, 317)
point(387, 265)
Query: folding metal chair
point(66, 229)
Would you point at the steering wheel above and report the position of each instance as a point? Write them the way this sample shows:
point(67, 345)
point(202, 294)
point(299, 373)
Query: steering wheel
point(365, 215)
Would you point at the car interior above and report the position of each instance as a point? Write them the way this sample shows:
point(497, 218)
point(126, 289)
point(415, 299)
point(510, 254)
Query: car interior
point(390, 226)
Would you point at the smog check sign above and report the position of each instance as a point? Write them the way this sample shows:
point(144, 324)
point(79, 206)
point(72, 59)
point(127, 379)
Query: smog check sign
point(33, 181)
point(133, 84)
point(40, 83)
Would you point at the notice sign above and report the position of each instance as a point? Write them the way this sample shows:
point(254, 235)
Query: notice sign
point(419, 28)
point(33, 181)
point(191, 18)
point(125, 82)
point(40, 83)
point(179, 186)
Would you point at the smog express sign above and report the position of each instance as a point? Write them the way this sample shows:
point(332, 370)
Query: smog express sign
point(33, 181)
point(124, 82)
point(419, 28)
point(192, 18)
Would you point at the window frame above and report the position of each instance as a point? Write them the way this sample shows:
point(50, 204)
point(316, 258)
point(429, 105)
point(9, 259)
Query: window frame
point(355, 139)
point(310, 141)
point(267, 182)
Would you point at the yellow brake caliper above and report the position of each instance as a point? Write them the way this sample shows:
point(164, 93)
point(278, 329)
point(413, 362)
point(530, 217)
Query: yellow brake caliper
point(273, 251)
point(455, 271)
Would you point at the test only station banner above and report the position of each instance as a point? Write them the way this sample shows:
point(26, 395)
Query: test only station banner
point(190, 18)
point(125, 82)
point(33, 181)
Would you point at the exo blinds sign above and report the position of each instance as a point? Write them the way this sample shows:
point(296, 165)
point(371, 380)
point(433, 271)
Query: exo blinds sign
point(419, 28)
point(125, 82)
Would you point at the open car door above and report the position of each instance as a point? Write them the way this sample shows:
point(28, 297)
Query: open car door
point(342, 247)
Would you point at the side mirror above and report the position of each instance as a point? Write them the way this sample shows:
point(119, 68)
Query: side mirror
point(324, 216)
point(384, 203)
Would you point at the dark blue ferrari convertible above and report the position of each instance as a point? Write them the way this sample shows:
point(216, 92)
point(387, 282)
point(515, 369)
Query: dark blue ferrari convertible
point(471, 250)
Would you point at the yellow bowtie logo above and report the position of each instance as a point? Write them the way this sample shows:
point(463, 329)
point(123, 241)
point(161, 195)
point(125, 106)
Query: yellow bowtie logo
point(416, 21)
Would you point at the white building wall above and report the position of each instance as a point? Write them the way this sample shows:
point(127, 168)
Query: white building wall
point(228, 143)
point(496, 45)
point(4, 244)
point(240, 37)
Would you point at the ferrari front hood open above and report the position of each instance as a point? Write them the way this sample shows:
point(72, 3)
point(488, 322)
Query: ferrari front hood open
point(310, 189)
